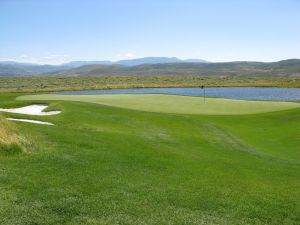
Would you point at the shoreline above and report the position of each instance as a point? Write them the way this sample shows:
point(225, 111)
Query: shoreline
point(51, 90)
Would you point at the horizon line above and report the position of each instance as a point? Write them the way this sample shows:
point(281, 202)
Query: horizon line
point(115, 61)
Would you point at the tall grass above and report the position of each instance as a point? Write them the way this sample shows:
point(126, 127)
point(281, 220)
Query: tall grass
point(38, 84)
point(11, 141)
point(8, 132)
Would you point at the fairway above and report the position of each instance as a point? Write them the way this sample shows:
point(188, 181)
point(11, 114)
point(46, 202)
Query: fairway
point(115, 165)
point(173, 103)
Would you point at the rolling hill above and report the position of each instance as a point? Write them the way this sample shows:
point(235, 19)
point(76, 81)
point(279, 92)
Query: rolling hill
point(281, 68)
point(155, 66)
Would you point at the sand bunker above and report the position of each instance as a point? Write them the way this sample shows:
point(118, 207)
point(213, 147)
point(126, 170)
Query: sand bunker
point(36, 110)
point(30, 121)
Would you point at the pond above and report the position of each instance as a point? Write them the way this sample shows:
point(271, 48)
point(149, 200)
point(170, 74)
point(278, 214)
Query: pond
point(253, 93)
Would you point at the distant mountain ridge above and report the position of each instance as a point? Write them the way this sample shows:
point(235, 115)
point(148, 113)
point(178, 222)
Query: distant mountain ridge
point(74, 64)
point(26, 69)
point(135, 62)
point(11, 68)
point(281, 68)
point(153, 66)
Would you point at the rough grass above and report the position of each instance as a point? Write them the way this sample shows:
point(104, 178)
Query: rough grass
point(108, 165)
point(42, 83)
point(8, 133)
point(174, 103)
point(10, 140)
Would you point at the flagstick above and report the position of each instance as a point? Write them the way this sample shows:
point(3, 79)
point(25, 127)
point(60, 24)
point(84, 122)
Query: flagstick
point(204, 93)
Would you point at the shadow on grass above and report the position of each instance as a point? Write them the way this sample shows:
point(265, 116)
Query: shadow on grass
point(9, 150)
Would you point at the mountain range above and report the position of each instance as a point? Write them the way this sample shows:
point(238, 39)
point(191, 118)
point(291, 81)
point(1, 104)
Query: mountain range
point(153, 66)
point(11, 68)
point(135, 62)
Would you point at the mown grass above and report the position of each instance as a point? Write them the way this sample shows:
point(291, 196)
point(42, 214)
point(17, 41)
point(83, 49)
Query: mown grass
point(41, 83)
point(173, 103)
point(108, 165)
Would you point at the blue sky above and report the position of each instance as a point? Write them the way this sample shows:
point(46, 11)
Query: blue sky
point(56, 31)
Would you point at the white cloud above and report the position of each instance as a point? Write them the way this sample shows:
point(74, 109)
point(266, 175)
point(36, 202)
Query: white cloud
point(128, 55)
point(46, 58)
point(24, 56)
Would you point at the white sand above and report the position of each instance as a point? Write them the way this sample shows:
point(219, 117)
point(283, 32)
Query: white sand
point(30, 121)
point(36, 110)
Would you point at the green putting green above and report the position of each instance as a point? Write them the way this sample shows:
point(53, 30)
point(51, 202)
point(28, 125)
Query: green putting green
point(173, 103)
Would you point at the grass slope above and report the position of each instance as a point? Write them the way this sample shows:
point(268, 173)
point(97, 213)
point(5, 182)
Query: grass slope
point(107, 165)
point(11, 141)
point(173, 103)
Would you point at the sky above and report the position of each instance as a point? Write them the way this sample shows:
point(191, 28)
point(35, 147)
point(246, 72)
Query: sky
point(58, 31)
